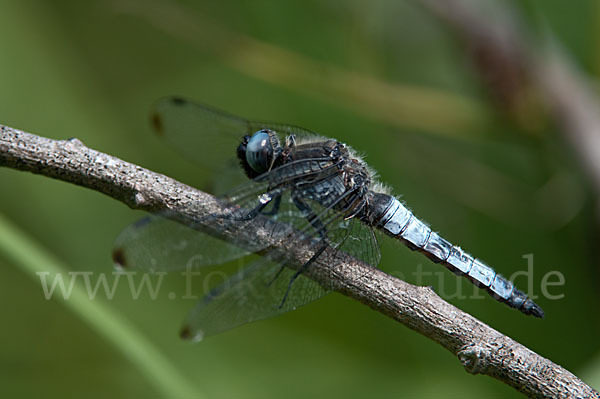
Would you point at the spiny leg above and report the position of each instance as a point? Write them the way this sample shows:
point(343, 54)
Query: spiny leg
point(314, 220)
point(276, 206)
point(301, 270)
point(281, 268)
point(319, 226)
point(264, 201)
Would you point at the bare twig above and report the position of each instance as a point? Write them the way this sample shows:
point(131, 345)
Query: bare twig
point(512, 64)
point(481, 349)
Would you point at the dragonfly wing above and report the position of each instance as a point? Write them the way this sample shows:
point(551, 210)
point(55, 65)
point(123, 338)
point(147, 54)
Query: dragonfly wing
point(254, 293)
point(280, 179)
point(283, 129)
point(356, 239)
point(201, 133)
point(229, 175)
point(257, 292)
point(207, 135)
point(267, 287)
point(156, 243)
point(307, 212)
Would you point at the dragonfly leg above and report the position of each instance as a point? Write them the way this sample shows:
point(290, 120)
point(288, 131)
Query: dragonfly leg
point(276, 275)
point(301, 270)
point(314, 220)
point(310, 216)
point(264, 202)
point(276, 206)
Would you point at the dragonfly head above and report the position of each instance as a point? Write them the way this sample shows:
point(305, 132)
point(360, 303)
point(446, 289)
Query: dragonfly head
point(257, 153)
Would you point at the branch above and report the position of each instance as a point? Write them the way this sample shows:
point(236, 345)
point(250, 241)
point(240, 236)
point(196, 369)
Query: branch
point(481, 349)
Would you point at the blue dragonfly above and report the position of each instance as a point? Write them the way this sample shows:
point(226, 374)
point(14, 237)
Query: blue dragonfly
point(318, 186)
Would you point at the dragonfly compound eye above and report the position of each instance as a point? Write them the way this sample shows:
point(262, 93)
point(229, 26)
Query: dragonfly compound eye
point(259, 151)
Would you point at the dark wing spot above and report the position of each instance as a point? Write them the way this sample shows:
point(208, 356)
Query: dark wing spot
point(157, 123)
point(118, 257)
point(178, 101)
point(185, 333)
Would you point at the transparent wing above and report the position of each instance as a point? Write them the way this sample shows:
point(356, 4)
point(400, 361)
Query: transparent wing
point(156, 243)
point(358, 240)
point(310, 198)
point(227, 176)
point(318, 223)
point(267, 287)
point(204, 134)
point(254, 293)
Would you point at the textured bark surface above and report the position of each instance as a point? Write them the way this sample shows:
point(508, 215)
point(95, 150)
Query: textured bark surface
point(481, 349)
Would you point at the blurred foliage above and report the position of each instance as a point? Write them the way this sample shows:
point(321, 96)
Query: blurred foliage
point(384, 77)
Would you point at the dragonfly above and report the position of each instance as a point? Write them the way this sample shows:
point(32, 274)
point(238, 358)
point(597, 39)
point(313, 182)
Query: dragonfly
point(319, 187)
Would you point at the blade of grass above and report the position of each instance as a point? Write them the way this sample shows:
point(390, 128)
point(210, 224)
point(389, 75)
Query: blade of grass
point(118, 331)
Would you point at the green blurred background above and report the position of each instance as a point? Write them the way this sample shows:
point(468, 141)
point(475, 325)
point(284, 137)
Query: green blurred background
point(385, 77)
